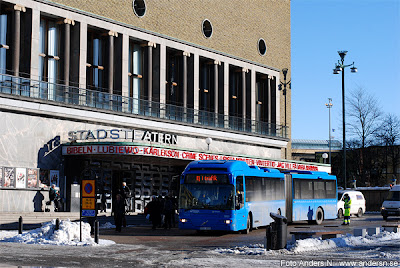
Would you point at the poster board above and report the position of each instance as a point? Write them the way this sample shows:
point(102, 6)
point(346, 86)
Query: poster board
point(55, 177)
point(20, 178)
point(9, 177)
point(32, 178)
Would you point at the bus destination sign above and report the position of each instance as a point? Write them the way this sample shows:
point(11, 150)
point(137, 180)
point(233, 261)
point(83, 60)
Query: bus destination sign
point(207, 178)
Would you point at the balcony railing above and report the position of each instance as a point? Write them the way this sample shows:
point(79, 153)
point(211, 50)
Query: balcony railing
point(103, 100)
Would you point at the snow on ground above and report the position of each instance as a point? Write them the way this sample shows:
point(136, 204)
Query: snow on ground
point(317, 245)
point(68, 234)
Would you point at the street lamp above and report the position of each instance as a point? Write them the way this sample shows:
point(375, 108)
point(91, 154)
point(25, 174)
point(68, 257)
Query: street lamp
point(285, 84)
point(339, 67)
point(329, 106)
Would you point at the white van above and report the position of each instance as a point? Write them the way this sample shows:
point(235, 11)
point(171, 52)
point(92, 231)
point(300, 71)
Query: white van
point(391, 205)
point(357, 203)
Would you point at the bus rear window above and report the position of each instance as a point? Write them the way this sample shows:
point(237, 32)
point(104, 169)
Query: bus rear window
point(207, 178)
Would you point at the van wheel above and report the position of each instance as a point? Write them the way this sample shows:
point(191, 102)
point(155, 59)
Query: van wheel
point(319, 216)
point(248, 228)
point(360, 212)
point(340, 213)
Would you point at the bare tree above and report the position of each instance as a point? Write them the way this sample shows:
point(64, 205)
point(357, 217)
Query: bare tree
point(364, 116)
point(389, 134)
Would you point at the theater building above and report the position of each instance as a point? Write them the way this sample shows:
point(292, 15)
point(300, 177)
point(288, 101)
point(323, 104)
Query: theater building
point(134, 90)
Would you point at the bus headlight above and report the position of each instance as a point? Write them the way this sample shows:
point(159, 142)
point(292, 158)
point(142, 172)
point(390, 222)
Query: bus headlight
point(228, 221)
point(382, 208)
point(183, 220)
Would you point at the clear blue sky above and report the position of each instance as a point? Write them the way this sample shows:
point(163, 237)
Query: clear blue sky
point(370, 31)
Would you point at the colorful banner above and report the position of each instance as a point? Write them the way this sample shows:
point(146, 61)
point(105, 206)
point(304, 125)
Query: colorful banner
point(185, 155)
point(32, 178)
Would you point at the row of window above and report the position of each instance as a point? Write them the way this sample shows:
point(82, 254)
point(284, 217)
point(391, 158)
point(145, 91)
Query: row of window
point(264, 189)
point(53, 39)
point(311, 189)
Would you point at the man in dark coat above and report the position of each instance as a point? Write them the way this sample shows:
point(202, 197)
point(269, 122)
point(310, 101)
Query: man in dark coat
point(119, 212)
point(154, 209)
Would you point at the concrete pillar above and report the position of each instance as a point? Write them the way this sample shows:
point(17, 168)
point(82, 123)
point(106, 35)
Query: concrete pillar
point(226, 95)
point(35, 51)
point(111, 35)
point(244, 72)
point(82, 63)
point(163, 79)
point(185, 86)
point(125, 71)
point(253, 100)
point(269, 102)
point(17, 38)
point(196, 88)
point(67, 56)
point(150, 46)
point(216, 89)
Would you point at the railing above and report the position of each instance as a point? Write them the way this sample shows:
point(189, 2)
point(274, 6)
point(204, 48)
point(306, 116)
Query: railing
point(103, 100)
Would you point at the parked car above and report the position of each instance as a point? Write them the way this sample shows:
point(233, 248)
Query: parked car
point(391, 205)
point(357, 203)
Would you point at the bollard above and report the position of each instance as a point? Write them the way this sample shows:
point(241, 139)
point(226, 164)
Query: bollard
point(20, 225)
point(279, 231)
point(57, 224)
point(96, 231)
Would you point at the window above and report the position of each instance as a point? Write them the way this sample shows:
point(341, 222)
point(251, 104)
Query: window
point(330, 189)
point(96, 59)
point(49, 56)
point(139, 7)
point(207, 28)
point(262, 47)
point(319, 190)
point(303, 189)
point(135, 72)
point(5, 28)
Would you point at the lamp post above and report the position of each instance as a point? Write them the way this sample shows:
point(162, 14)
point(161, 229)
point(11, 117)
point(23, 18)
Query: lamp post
point(329, 106)
point(339, 67)
point(285, 84)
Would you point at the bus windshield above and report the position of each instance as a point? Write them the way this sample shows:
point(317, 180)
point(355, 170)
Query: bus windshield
point(206, 196)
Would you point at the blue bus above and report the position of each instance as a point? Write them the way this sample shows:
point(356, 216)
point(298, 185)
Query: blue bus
point(232, 196)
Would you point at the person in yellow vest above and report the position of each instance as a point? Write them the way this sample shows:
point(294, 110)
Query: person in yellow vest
point(347, 205)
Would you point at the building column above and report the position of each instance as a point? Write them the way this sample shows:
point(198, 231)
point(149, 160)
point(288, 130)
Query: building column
point(185, 81)
point(17, 38)
point(67, 56)
point(150, 46)
point(125, 71)
point(269, 102)
point(111, 35)
point(163, 79)
point(226, 95)
point(196, 87)
point(244, 72)
point(34, 92)
point(82, 63)
point(253, 101)
point(216, 90)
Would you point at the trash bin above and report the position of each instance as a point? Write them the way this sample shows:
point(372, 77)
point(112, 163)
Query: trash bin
point(276, 233)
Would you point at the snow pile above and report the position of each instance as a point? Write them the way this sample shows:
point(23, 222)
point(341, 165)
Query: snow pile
point(316, 244)
point(107, 225)
point(68, 234)
point(313, 244)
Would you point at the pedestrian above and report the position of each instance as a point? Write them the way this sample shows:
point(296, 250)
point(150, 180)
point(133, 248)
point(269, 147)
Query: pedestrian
point(168, 210)
point(54, 197)
point(126, 195)
point(119, 212)
point(347, 205)
point(154, 210)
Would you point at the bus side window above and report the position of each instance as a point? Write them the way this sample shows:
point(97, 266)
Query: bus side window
point(239, 192)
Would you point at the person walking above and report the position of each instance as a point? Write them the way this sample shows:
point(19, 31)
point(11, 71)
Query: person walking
point(154, 209)
point(347, 205)
point(119, 212)
point(168, 209)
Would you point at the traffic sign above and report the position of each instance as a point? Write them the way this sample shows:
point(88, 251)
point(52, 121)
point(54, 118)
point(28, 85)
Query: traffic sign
point(88, 213)
point(88, 188)
point(88, 203)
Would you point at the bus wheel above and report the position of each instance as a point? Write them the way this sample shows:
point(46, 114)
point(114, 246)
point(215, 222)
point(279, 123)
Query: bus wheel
point(360, 212)
point(319, 216)
point(248, 228)
point(340, 214)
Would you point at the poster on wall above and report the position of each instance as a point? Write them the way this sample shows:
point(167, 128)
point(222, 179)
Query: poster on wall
point(20, 178)
point(9, 177)
point(44, 178)
point(32, 178)
point(54, 177)
point(1, 177)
